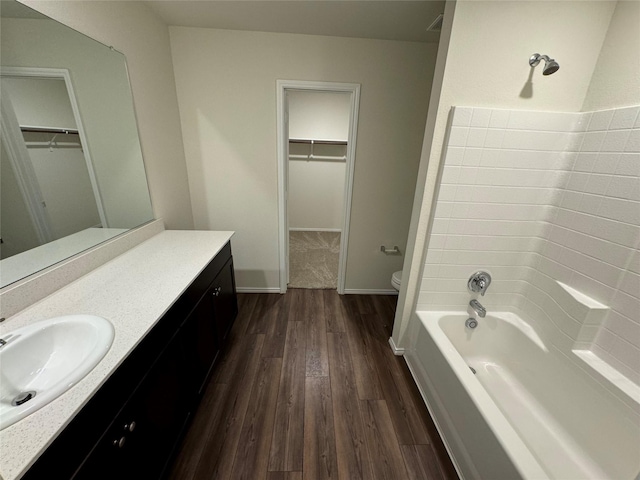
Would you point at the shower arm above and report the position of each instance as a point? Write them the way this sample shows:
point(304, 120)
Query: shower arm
point(534, 60)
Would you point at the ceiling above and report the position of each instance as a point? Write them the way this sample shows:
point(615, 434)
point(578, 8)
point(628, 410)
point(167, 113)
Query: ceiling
point(384, 20)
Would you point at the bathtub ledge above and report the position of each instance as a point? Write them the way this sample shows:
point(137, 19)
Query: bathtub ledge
point(610, 374)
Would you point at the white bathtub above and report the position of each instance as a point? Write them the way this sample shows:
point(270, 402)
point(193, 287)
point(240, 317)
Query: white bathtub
point(527, 412)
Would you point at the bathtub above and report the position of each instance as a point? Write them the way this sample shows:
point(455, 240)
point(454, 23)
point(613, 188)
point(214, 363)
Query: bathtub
point(526, 411)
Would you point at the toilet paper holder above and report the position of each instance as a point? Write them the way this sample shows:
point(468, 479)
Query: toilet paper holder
point(390, 251)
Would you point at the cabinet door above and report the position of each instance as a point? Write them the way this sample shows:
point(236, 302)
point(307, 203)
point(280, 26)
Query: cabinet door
point(140, 441)
point(199, 342)
point(225, 304)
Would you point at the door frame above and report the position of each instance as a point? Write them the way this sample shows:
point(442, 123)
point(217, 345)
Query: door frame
point(63, 74)
point(282, 129)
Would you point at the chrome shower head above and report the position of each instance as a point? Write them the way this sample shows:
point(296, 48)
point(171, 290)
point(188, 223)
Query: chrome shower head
point(550, 65)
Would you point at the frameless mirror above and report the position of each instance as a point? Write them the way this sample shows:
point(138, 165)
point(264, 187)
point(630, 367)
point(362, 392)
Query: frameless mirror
point(72, 173)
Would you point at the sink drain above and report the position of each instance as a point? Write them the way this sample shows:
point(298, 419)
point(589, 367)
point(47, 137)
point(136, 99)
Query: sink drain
point(23, 397)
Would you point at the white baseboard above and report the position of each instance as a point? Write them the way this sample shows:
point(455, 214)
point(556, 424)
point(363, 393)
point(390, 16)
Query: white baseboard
point(359, 291)
point(396, 350)
point(258, 290)
point(315, 230)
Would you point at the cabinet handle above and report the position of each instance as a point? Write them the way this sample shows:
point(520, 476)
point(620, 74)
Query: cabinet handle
point(216, 291)
point(119, 443)
point(130, 426)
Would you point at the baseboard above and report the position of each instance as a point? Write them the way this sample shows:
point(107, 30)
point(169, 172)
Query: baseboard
point(258, 290)
point(338, 230)
point(396, 350)
point(359, 291)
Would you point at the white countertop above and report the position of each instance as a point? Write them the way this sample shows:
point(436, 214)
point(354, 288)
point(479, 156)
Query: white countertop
point(133, 292)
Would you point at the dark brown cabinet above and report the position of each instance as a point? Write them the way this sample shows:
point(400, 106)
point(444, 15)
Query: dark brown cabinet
point(131, 426)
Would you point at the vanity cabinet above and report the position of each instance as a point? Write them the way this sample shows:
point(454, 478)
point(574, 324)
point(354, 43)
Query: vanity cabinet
point(132, 425)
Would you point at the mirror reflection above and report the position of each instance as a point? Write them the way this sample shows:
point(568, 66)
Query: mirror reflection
point(71, 172)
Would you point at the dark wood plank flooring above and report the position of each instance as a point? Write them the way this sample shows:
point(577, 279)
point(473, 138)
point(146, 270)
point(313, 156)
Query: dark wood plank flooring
point(308, 389)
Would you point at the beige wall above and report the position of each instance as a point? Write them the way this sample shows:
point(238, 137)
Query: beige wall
point(226, 83)
point(487, 65)
point(616, 78)
point(319, 115)
point(133, 29)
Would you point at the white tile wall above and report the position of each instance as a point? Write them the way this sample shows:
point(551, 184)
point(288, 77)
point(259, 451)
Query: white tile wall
point(535, 197)
point(598, 233)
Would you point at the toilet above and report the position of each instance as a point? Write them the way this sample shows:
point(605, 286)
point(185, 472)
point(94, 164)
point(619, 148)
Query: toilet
point(396, 280)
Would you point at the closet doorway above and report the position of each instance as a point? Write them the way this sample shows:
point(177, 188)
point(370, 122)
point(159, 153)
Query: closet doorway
point(316, 147)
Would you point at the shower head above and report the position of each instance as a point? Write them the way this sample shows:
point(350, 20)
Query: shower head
point(550, 65)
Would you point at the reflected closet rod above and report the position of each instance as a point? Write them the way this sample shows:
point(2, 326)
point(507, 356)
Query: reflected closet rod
point(66, 131)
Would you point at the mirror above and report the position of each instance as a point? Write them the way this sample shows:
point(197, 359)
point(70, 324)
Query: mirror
point(72, 174)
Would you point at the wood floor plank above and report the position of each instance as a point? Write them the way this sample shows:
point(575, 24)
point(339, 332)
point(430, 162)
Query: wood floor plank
point(195, 442)
point(296, 305)
point(367, 382)
point(334, 311)
point(284, 475)
point(276, 332)
point(364, 304)
point(252, 454)
point(386, 458)
point(222, 425)
point(317, 356)
point(353, 327)
point(403, 408)
point(263, 313)
point(320, 460)
point(385, 307)
point(352, 455)
point(287, 444)
point(421, 462)
point(233, 351)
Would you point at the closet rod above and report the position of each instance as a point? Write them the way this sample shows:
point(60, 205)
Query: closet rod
point(318, 157)
point(66, 131)
point(317, 142)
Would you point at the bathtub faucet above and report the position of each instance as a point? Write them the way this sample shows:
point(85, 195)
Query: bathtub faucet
point(479, 282)
point(478, 308)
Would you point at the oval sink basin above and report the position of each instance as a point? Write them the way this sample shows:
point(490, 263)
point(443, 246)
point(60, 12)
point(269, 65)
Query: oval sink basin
point(41, 361)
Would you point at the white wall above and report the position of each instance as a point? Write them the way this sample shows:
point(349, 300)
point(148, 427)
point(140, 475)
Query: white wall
point(319, 115)
point(316, 187)
point(487, 65)
point(616, 78)
point(133, 29)
point(226, 82)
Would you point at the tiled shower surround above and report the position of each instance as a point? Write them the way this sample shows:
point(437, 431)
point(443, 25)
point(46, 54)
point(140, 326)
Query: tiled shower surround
point(549, 204)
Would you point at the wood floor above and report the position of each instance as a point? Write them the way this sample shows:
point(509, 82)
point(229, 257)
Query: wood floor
point(308, 388)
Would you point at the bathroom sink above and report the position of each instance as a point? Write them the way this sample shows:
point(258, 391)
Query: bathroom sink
point(41, 361)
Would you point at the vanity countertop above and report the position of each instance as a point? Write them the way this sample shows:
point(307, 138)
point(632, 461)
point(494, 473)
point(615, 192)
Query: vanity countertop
point(132, 291)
